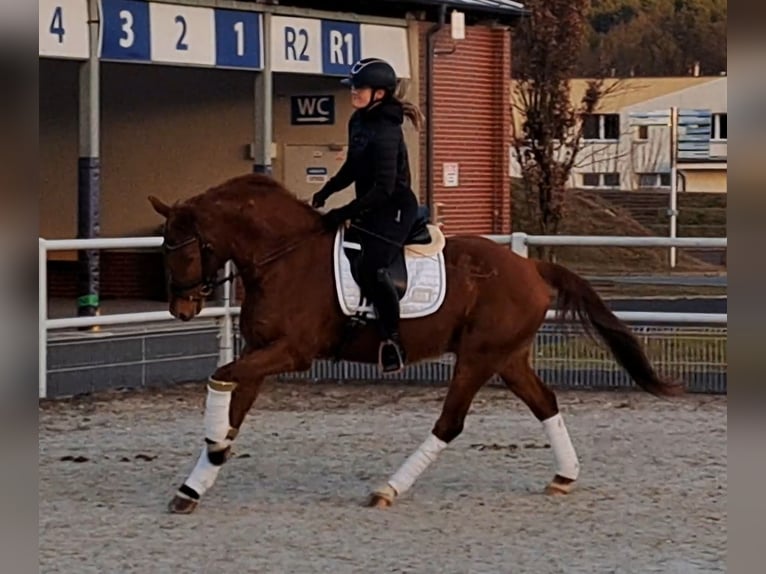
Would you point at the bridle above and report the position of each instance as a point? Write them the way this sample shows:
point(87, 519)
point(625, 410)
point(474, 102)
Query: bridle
point(206, 284)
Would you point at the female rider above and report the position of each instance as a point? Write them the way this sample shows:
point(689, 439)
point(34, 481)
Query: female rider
point(385, 206)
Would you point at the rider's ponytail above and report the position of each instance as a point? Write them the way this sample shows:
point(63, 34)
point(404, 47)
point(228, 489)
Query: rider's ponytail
point(412, 111)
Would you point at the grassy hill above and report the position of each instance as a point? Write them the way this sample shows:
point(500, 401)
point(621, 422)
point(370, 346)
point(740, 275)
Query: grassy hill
point(589, 213)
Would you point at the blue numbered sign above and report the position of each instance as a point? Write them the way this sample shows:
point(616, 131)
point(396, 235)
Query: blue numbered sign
point(238, 39)
point(63, 29)
point(341, 47)
point(182, 34)
point(296, 45)
point(126, 31)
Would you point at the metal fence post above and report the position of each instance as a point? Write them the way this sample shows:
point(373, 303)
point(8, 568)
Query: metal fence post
point(226, 330)
point(519, 244)
point(42, 319)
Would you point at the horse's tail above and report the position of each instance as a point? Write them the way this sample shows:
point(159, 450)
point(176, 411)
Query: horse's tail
point(577, 298)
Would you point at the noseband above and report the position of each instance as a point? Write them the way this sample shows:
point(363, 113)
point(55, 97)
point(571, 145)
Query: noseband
point(202, 287)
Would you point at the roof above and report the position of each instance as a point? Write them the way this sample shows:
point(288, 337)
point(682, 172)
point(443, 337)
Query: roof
point(500, 7)
point(625, 92)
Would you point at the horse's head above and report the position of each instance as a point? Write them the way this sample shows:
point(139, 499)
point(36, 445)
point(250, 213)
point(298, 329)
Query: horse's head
point(191, 263)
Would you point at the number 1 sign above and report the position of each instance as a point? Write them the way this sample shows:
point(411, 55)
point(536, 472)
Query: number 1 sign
point(238, 39)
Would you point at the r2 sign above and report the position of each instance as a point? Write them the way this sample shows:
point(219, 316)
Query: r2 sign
point(63, 29)
point(296, 45)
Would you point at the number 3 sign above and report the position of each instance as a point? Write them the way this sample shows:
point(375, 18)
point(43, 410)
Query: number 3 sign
point(125, 30)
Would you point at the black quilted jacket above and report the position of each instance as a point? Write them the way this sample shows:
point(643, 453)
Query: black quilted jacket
point(377, 162)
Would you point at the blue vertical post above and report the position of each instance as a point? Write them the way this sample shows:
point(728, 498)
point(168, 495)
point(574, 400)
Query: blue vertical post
point(264, 95)
point(89, 171)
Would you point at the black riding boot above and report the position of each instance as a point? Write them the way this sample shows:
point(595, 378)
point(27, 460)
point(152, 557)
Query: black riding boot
point(391, 354)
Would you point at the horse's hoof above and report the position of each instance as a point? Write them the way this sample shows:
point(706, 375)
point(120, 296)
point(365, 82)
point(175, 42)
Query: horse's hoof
point(382, 498)
point(378, 501)
point(182, 505)
point(559, 486)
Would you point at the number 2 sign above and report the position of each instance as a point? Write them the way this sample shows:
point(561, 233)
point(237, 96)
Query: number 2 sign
point(182, 34)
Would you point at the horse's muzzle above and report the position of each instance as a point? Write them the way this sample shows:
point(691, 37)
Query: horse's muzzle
point(185, 309)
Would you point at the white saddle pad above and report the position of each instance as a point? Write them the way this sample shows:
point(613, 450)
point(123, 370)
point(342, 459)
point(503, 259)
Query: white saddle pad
point(426, 283)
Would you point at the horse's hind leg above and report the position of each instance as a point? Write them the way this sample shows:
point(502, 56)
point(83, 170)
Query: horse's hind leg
point(225, 409)
point(466, 382)
point(541, 400)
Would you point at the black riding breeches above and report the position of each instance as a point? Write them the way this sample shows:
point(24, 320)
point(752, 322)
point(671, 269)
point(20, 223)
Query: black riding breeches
point(382, 241)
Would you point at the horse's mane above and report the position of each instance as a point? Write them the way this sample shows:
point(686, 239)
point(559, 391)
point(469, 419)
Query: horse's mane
point(244, 188)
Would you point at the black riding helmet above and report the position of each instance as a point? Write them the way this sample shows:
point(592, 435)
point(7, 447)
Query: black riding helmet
point(372, 73)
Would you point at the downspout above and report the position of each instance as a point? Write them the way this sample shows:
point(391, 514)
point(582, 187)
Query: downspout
point(430, 49)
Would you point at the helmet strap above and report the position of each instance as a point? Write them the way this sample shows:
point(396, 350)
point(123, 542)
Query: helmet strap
point(387, 95)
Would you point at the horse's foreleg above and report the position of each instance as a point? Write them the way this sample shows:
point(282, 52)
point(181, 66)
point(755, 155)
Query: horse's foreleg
point(541, 400)
point(466, 382)
point(231, 392)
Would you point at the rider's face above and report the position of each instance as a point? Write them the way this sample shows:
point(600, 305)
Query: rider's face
point(360, 97)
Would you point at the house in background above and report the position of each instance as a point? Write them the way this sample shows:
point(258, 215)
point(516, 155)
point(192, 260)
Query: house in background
point(618, 155)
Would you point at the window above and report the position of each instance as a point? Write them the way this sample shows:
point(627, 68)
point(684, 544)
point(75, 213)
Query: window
point(611, 127)
point(643, 133)
point(601, 180)
point(611, 180)
point(652, 180)
point(601, 127)
point(720, 131)
point(590, 127)
point(591, 179)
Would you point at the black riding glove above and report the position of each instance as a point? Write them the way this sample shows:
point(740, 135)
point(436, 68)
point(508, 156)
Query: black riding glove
point(333, 218)
point(319, 198)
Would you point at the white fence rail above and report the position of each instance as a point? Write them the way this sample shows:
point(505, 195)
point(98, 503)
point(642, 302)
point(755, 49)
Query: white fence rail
point(519, 242)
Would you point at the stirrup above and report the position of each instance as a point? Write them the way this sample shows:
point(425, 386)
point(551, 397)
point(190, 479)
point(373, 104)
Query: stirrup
point(390, 357)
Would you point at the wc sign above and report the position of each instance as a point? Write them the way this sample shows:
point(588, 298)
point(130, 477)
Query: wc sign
point(312, 110)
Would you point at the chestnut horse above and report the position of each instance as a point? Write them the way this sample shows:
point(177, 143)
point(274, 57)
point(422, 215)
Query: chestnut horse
point(495, 303)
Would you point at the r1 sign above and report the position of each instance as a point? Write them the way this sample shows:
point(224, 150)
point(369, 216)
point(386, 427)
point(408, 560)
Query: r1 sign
point(341, 47)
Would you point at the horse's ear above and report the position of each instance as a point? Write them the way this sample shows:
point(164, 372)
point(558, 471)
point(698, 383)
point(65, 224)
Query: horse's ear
point(159, 207)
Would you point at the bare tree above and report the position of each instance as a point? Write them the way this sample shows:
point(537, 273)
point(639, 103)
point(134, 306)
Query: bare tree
point(547, 124)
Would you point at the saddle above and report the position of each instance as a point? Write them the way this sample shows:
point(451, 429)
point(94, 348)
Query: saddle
point(424, 240)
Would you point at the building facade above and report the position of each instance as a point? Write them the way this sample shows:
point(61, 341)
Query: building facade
point(616, 154)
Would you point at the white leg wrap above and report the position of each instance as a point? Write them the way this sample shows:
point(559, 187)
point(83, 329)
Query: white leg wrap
point(418, 461)
point(563, 451)
point(217, 415)
point(204, 473)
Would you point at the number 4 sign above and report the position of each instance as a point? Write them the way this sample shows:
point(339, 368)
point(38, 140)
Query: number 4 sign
point(63, 29)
